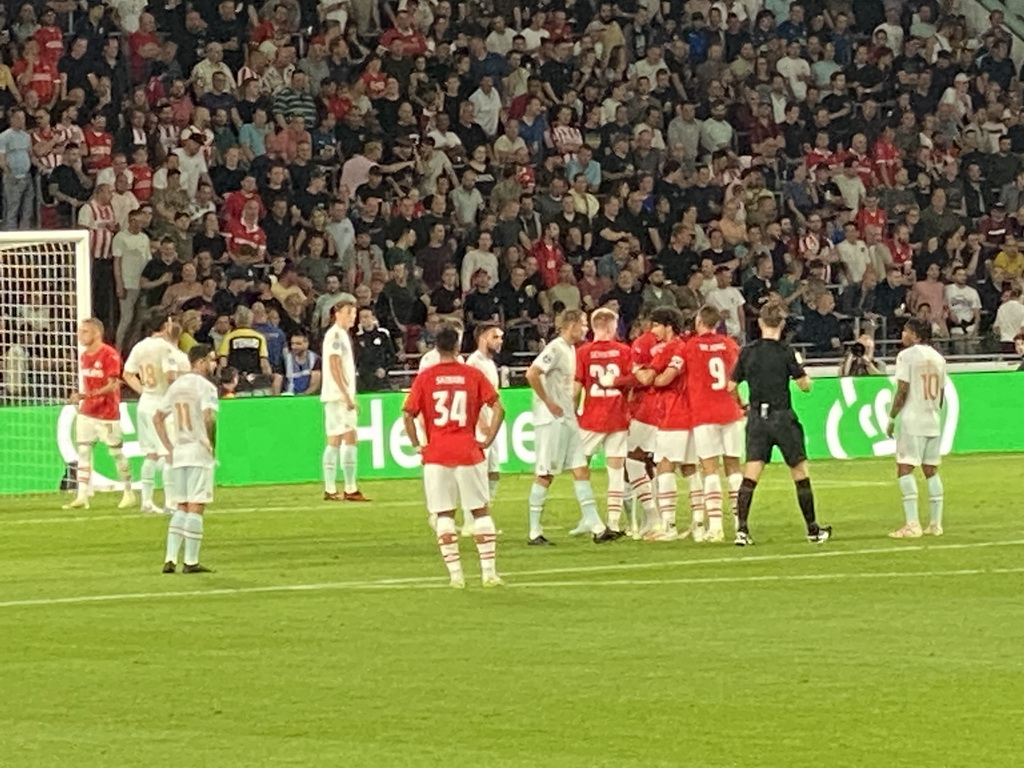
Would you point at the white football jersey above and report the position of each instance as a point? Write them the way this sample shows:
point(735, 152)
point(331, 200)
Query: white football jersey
point(152, 359)
point(485, 364)
point(181, 360)
point(433, 357)
point(924, 369)
point(338, 344)
point(557, 363)
point(185, 404)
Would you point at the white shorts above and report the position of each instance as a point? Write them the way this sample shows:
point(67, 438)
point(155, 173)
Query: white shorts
point(558, 447)
point(449, 488)
point(191, 485)
point(675, 445)
point(89, 430)
point(915, 450)
point(339, 419)
point(713, 440)
point(614, 443)
point(149, 441)
point(641, 436)
point(493, 460)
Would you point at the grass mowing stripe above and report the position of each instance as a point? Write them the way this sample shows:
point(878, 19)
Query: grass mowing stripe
point(436, 582)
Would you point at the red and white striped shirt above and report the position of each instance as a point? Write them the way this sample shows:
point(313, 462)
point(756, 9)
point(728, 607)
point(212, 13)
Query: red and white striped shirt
point(51, 159)
point(101, 147)
point(70, 134)
point(102, 225)
point(142, 182)
point(239, 234)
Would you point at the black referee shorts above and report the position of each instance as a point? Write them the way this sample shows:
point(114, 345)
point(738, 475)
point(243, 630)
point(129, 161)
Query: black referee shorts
point(780, 428)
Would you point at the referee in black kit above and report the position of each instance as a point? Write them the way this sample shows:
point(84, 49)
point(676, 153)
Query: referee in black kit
point(767, 365)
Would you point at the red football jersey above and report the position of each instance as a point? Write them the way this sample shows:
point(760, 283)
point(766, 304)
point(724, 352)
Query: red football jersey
point(645, 403)
point(675, 404)
point(142, 184)
point(709, 360)
point(450, 396)
point(97, 369)
point(604, 410)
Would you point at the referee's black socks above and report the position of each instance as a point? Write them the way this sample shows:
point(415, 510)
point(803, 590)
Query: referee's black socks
point(805, 497)
point(743, 500)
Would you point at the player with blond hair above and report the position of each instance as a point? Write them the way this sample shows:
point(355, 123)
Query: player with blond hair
point(552, 377)
point(99, 412)
point(604, 422)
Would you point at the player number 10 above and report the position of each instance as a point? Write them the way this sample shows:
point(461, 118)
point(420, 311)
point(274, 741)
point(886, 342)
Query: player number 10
point(450, 406)
point(930, 385)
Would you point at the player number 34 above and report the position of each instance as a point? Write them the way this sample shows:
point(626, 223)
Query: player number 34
point(450, 406)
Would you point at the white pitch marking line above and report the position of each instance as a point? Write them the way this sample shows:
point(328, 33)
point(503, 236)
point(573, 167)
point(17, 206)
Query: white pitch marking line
point(316, 506)
point(434, 582)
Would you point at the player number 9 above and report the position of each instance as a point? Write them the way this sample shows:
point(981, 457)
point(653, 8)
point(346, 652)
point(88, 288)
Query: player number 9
point(716, 368)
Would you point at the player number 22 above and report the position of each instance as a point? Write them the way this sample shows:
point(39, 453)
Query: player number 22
point(450, 406)
point(596, 372)
point(716, 368)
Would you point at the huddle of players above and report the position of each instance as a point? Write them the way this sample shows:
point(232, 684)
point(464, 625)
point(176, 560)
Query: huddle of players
point(666, 404)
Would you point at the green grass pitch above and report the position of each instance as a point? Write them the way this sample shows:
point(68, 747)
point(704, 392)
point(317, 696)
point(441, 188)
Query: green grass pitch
point(328, 637)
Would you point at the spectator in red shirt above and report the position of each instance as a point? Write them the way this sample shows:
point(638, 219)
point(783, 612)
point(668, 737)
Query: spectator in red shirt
point(413, 42)
point(549, 254)
point(34, 73)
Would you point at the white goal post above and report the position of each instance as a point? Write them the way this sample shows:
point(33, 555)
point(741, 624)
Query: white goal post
point(45, 291)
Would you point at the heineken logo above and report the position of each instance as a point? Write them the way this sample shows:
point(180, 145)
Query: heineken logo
point(856, 423)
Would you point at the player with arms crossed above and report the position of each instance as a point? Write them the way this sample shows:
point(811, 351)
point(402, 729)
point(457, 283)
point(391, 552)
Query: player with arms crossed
point(717, 416)
point(99, 412)
point(674, 446)
point(150, 368)
point(552, 377)
point(190, 403)
point(605, 418)
point(920, 383)
point(767, 365)
point(338, 395)
point(450, 396)
point(488, 337)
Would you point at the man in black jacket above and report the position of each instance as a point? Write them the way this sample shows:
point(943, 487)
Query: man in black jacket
point(375, 354)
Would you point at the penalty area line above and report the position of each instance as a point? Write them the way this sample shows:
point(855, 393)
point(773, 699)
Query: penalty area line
point(434, 582)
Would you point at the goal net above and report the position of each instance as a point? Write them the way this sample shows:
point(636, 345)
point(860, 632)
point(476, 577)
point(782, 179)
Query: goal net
point(44, 293)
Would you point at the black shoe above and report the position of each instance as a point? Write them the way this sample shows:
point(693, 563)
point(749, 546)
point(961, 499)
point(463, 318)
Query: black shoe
point(540, 541)
point(617, 534)
point(170, 567)
point(606, 535)
point(197, 568)
point(822, 534)
point(743, 539)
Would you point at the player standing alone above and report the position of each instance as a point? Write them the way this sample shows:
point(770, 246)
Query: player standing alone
point(99, 412)
point(191, 405)
point(488, 344)
point(552, 377)
point(767, 365)
point(605, 418)
point(920, 383)
point(150, 368)
point(339, 398)
point(450, 395)
point(716, 414)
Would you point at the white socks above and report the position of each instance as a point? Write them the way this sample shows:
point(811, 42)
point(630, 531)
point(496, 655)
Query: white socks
point(486, 536)
point(148, 477)
point(175, 535)
point(735, 481)
point(908, 487)
point(84, 473)
point(448, 543)
point(123, 470)
point(330, 467)
point(588, 505)
point(713, 501)
point(696, 486)
point(636, 472)
point(668, 494)
point(935, 499)
point(193, 531)
point(616, 492)
point(348, 466)
point(538, 493)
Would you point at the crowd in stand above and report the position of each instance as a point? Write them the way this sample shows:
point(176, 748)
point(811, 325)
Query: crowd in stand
point(245, 164)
